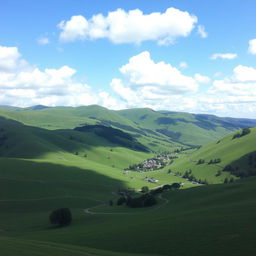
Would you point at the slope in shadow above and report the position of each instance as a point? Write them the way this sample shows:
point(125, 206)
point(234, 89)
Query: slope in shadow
point(243, 167)
point(21, 141)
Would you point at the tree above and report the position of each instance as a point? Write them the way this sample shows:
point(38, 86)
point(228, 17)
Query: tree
point(175, 185)
point(145, 189)
point(61, 217)
point(121, 201)
point(245, 131)
point(149, 200)
point(200, 161)
point(167, 187)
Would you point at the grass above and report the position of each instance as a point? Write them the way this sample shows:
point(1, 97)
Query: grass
point(207, 220)
point(21, 247)
point(176, 127)
point(44, 169)
point(229, 150)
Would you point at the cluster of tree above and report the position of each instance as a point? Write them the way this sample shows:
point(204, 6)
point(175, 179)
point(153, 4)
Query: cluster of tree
point(200, 161)
point(189, 176)
point(244, 132)
point(227, 180)
point(61, 217)
point(214, 161)
point(144, 200)
point(173, 186)
point(148, 198)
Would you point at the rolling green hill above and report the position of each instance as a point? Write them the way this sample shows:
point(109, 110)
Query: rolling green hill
point(171, 128)
point(193, 129)
point(75, 157)
point(240, 153)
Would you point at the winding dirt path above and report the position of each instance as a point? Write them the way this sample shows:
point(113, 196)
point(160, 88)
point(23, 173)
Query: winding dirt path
point(89, 210)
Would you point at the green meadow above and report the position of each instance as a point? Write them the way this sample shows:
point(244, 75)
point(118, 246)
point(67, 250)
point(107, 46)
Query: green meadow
point(45, 164)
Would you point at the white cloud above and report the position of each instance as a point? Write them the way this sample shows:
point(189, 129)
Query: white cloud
point(242, 82)
point(151, 84)
point(10, 59)
point(141, 71)
point(244, 74)
point(252, 46)
point(201, 31)
point(224, 56)
point(26, 85)
point(202, 79)
point(133, 26)
point(183, 64)
point(43, 40)
point(234, 95)
point(144, 83)
point(73, 29)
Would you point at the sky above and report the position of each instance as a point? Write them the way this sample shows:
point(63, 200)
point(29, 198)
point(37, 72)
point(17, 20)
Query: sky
point(181, 55)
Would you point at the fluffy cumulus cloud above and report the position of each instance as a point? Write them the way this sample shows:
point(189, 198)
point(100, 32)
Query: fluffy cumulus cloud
point(234, 95)
point(252, 46)
point(151, 83)
point(132, 26)
point(146, 83)
point(241, 83)
point(10, 59)
point(224, 56)
point(22, 84)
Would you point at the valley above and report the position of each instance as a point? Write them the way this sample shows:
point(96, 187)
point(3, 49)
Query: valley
point(80, 158)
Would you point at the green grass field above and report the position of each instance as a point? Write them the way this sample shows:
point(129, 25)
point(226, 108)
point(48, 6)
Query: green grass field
point(227, 149)
point(44, 167)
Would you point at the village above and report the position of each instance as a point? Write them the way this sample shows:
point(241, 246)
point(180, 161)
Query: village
point(152, 164)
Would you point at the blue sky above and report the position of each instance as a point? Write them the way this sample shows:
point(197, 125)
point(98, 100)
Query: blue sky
point(182, 55)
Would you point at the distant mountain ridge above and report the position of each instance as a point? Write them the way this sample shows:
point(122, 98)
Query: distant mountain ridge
point(149, 126)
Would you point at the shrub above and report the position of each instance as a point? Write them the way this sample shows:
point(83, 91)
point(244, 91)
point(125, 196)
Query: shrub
point(61, 217)
point(121, 201)
point(167, 187)
point(145, 200)
point(175, 185)
point(244, 132)
point(145, 189)
point(200, 161)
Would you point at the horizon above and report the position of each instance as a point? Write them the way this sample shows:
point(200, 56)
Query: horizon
point(179, 55)
point(160, 110)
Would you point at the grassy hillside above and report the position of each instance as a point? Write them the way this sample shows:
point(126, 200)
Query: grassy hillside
point(185, 127)
point(238, 152)
point(171, 128)
point(82, 169)
point(207, 220)
point(69, 118)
